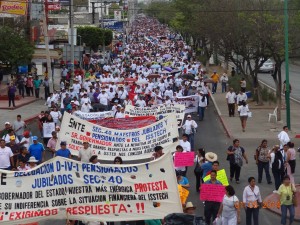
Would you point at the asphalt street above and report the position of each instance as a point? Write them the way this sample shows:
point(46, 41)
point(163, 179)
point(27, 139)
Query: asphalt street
point(211, 136)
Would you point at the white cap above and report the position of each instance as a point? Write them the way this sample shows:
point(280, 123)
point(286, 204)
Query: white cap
point(6, 123)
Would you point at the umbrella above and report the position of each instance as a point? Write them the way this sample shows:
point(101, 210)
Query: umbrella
point(167, 56)
point(153, 76)
point(168, 69)
point(208, 80)
point(175, 71)
point(188, 76)
point(140, 82)
point(155, 66)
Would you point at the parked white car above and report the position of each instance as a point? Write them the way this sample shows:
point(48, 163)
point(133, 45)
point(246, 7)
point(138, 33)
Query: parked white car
point(267, 67)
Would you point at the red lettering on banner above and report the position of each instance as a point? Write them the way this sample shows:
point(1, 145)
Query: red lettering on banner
point(152, 186)
point(97, 210)
point(29, 214)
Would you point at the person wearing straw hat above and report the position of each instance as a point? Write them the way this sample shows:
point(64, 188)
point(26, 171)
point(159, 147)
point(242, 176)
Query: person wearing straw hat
point(32, 162)
point(189, 208)
point(210, 157)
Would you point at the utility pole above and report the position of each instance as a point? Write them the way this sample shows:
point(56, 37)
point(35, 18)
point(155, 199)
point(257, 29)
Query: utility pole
point(72, 38)
point(102, 26)
point(287, 77)
point(93, 12)
point(46, 40)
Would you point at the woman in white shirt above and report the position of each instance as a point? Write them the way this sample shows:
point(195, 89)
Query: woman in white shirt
point(252, 201)
point(243, 112)
point(182, 169)
point(230, 208)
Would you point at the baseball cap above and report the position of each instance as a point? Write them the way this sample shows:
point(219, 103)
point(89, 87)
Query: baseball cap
point(189, 116)
point(12, 138)
point(7, 123)
point(63, 143)
point(34, 138)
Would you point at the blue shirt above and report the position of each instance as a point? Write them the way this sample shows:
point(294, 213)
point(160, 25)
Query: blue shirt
point(184, 181)
point(209, 182)
point(206, 168)
point(36, 151)
point(63, 153)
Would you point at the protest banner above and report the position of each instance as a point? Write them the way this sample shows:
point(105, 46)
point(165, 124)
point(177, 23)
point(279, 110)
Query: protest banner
point(212, 192)
point(133, 144)
point(159, 111)
point(47, 129)
point(93, 115)
point(182, 159)
point(125, 123)
point(191, 103)
point(62, 188)
point(221, 176)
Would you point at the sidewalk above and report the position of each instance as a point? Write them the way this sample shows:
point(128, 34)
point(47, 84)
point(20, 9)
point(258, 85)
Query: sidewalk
point(258, 125)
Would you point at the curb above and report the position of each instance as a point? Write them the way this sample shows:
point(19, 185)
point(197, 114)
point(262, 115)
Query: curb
point(220, 116)
point(278, 212)
point(19, 106)
point(30, 119)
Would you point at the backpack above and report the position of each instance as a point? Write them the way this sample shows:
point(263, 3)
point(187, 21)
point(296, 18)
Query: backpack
point(278, 158)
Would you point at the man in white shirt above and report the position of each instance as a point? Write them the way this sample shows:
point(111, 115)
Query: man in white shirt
point(85, 153)
point(241, 97)
point(169, 92)
point(202, 105)
point(224, 80)
point(283, 136)
point(103, 99)
point(189, 128)
point(6, 156)
point(185, 144)
point(230, 98)
point(140, 102)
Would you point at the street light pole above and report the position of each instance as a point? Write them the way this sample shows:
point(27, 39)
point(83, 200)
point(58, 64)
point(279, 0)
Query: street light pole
point(72, 38)
point(287, 78)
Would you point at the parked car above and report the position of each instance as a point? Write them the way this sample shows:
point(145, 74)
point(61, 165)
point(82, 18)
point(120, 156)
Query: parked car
point(267, 67)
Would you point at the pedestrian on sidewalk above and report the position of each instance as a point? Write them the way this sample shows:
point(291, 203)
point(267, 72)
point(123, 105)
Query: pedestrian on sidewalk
point(230, 98)
point(11, 92)
point(21, 85)
point(277, 166)
point(29, 86)
point(283, 136)
point(47, 87)
point(243, 85)
point(202, 105)
point(262, 161)
point(243, 112)
point(241, 97)
point(290, 162)
point(215, 78)
point(224, 81)
point(252, 201)
point(287, 192)
point(37, 84)
point(235, 155)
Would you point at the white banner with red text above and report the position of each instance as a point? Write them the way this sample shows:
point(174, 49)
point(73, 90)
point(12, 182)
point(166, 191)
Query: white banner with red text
point(132, 144)
point(159, 111)
point(94, 115)
point(191, 103)
point(62, 188)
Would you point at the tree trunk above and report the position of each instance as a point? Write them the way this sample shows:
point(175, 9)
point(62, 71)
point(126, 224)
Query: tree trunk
point(257, 89)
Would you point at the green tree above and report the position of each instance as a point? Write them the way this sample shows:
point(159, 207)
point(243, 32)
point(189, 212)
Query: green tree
point(15, 48)
point(94, 36)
